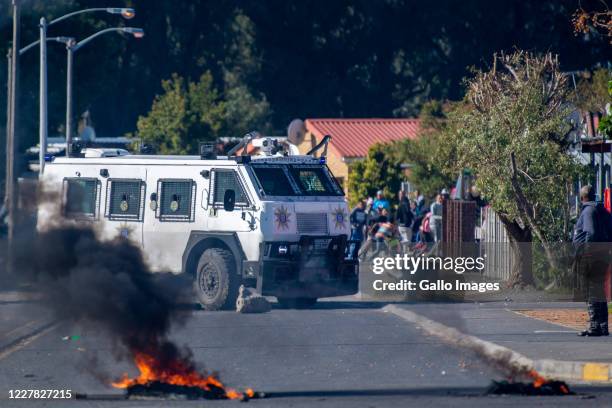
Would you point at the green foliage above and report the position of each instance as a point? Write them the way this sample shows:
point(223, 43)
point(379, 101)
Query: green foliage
point(592, 91)
point(275, 60)
point(431, 155)
point(347, 58)
point(184, 114)
point(380, 170)
point(519, 109)
point(244, 111)
point(190, 112)
point(605, 124)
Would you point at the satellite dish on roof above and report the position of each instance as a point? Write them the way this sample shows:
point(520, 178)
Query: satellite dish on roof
point(296, 131)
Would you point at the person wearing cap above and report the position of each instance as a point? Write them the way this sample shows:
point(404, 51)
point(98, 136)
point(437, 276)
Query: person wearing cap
point(592, 232)
point(381, 202)
point(445, 194)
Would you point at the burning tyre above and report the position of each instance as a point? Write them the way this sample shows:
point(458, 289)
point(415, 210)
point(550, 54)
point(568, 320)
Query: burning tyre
point(216, 283)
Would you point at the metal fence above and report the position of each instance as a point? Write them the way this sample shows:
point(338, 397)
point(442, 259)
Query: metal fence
point(494, 246)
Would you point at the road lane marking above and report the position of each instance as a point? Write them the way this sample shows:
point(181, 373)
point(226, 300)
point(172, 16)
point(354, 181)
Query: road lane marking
point(25, 340)
point(25, 326)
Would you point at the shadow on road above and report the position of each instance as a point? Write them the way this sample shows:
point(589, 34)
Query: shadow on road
point(581, 391)
point(429, 391)
point(333, 305)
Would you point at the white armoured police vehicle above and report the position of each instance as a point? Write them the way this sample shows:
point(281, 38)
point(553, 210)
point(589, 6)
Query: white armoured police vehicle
point(277, 223)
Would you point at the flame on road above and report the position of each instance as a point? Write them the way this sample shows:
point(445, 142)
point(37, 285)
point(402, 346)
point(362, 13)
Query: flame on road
point(175, 372)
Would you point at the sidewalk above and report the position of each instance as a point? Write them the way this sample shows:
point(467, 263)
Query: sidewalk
point(552, 349)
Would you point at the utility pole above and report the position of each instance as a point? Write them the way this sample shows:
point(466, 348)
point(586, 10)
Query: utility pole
point(9, 100)
point(69, 77)
point(42, 111)
point(13, 135)
point(73, 46)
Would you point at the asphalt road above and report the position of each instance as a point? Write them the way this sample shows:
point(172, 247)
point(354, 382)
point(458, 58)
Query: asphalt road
point(340, 354)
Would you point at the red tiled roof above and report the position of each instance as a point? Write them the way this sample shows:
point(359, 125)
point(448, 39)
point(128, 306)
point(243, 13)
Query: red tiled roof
point(353, 137)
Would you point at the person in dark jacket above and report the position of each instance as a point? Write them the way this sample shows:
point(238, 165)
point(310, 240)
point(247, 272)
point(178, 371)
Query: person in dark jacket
point(405, 218)
point(416, 222)
point(592, 232)
point(359, 219)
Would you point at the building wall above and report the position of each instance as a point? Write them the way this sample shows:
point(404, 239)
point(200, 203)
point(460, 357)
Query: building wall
point(338, 168)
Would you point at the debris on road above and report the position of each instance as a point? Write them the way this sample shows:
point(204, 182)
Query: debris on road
point(250, 302)
point(73, 338)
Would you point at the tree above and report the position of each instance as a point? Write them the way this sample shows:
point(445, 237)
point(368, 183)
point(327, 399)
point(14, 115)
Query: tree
point(591, 93)
point(380, 170)
point(593, 21)
point(605, 124)
point(186, 113)
point(245, 110)
point(431, 155)
point(514, 139)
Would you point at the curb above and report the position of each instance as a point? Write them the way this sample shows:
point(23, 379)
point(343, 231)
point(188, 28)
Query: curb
point(506, 359)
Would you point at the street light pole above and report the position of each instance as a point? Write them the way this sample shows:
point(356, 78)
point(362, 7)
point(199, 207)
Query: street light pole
point(71, 48)
point(126, 13)
point(12, 139)
point(42, 111)
point(9, 101)
point(69, 78)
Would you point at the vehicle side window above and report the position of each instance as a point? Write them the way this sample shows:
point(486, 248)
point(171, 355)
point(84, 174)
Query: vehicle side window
point(176, 200)
point(81, 197)
point(222, 180)
point(125, 199)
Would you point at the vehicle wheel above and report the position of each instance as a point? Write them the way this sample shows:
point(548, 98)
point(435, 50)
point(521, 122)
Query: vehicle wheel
point(296, 303)
point(216, 284)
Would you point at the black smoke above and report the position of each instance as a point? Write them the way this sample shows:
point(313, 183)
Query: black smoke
point(108, 285)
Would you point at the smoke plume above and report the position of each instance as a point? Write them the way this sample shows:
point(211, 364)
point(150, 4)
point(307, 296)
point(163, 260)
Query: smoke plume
point(106, 284)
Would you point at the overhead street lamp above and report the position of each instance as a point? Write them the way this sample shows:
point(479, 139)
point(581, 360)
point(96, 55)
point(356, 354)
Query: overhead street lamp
point(72, 47)
point(9, 103)
point(126, 13)
point(9, 99)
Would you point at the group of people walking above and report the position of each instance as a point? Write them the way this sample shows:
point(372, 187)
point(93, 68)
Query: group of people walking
point(411, 225)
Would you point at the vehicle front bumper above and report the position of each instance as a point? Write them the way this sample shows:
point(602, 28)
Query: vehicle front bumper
point(313, 267)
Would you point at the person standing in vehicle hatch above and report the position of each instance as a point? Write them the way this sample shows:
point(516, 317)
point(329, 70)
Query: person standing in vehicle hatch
point(359, 219)
point(592, 232)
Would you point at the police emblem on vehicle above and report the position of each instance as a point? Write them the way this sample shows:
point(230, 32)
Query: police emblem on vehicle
point(339, 217)
point(174, 204)
point(281, 216)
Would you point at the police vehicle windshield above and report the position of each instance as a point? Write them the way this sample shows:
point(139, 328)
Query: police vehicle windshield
point(296, 180)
